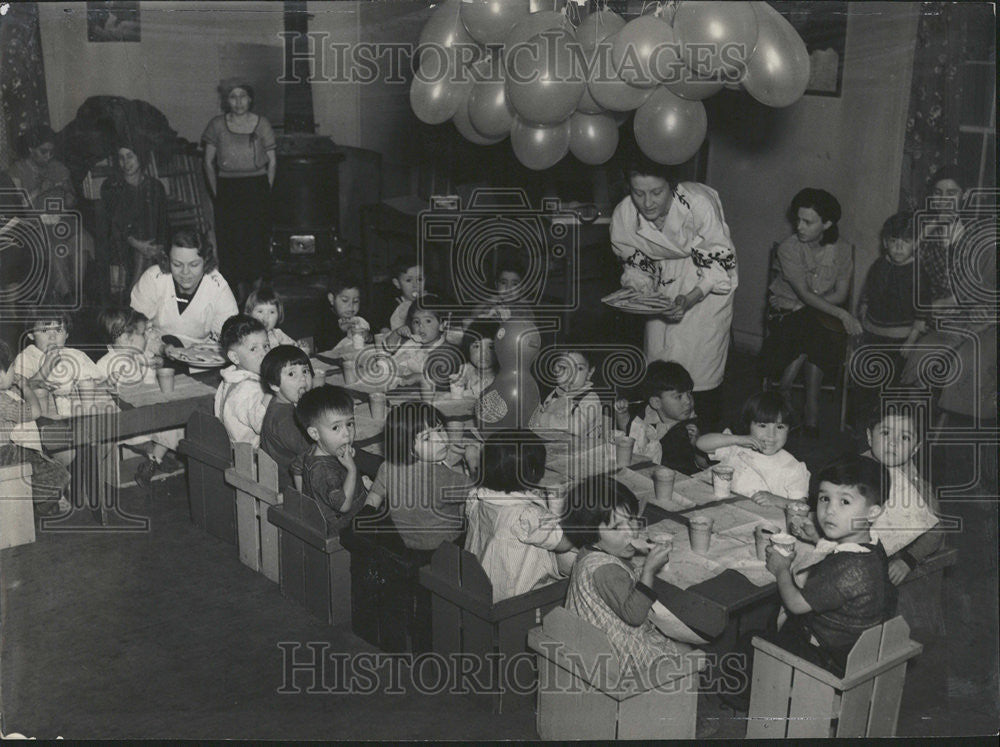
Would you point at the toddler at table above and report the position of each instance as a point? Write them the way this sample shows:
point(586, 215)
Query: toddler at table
point(666, 430)
point(421, 349)
point(508, 299)
point(511, 529)
point(406, 287)
point(264, 305)
point(424, 497)
point(604, 589)
point(287, 373)
point(339, 319)
point(240, 401)
point(573, 407)
point(762, 469)
point(479, 370)
point(18, 405)
point(331, 468)
point(51, 368)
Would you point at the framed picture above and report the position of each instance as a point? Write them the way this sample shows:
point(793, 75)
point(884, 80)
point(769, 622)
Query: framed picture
point(823, 27)
point(113, 22)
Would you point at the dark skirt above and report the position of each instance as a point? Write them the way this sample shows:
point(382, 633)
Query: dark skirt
point(242, 227)
point(790, 334)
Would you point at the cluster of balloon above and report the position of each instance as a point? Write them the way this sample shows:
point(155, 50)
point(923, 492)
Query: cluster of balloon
point(509, 401)
point(496, 69)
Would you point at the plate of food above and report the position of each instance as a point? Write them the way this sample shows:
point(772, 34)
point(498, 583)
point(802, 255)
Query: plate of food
point(633, 302)
point(204, 355)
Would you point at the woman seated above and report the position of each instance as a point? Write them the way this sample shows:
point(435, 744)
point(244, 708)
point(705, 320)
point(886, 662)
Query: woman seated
point(806, 317)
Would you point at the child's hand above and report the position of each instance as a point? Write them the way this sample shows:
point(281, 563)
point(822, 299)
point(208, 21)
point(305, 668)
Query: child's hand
point(777, 562)
point(346, 457)
point(898, 570)
point(805, 530)
point(764, 498)
point(18, 382)
point(693, 432)
point(750, 442)
point(657, 558)
point(621, 405)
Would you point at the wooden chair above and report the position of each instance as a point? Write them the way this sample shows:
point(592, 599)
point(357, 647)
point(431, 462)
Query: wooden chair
point(209, 454)
point(791, 697)
point(314, 565)
point(584, 694)
point(255, 478)
point(17, 512)
point(920, 593)
point(465, 620)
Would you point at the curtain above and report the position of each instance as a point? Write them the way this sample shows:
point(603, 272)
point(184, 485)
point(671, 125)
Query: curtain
point(935, 99)
point(23, 101)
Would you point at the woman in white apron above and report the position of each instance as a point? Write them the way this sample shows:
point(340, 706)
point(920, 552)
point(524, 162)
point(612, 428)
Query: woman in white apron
point(674, 242)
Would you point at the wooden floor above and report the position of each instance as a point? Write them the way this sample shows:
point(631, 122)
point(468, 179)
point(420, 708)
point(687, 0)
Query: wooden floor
point(166, 634)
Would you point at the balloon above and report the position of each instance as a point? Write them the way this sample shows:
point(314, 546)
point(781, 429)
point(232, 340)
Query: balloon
point(445, 27)
point(545, 79)
point(693, 88)
point(538, 147)
point(489, 109)
point(593, 138)
point(644, 52)
point(465, 127)
point(778, 71)
point(489, 21)
point(670, 129)
point(513, 396)
point(597, 27)
point(587, 105)
point(533, 25)
point(726, 33)
point(434, 101)
point(613, 93)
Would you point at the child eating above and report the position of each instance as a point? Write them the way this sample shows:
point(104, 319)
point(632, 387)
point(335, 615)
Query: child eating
point(287, 373)
point(573, 407)
point(240, 402)
point(339, 319)
point(762, 469)
point(264, 305)
point(407, 287)
point(511, 528)
point(479, 370)
point(424, 332)
point(49, 366)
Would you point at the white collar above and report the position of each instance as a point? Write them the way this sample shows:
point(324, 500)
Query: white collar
point(829, 547)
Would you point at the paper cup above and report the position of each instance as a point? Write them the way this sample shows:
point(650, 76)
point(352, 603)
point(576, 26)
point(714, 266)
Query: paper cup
point(380, 340)
point(663, 483)
point(165, 378)
point(350, 372)
point(358, 340)
point(661, 538)
point(722, 481)
point(762, 534)
point(377, 404)
point(457, 390)
point(783, 543)
point(623, 450)
point(700, 533)
point(796, 513)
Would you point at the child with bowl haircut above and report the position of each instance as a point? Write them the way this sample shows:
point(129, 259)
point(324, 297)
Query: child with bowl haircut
point(287, 373)
point(240, 402)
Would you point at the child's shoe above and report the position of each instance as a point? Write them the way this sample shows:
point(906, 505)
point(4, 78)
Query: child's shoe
point(144, 474)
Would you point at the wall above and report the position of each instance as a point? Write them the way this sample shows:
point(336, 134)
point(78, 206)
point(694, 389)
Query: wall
point(852, 146)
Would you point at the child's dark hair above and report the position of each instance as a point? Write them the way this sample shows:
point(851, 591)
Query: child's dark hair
point(479, 330)
point(868, 477)
point(948, 171)
point(262, 295)
point(403, 424)
point(321, 400)
point(766, 407)
point(898, 226)
point(341, 280)
point(513, 460)
point(53, 317)
point(6, 356)
point(117, 321)
point(427, 302)
point(591, 503)
point(509, 263)
point(892, 409)
point(276, 360)
point(402, 263)
point(237, 328)
point(665, 376)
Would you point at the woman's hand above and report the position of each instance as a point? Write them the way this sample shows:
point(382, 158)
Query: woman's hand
point(851, 325)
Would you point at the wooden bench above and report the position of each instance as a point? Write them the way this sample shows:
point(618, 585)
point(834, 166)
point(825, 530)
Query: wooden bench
point(791, 697)
point(920, 593)
point(255, 478)
point(583, 694)
point(209, 454)
point(315, 567)
point(17, 512)
point(465, 620)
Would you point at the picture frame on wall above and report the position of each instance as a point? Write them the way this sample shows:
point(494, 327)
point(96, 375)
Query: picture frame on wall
point(823, 27)
point(113, 22)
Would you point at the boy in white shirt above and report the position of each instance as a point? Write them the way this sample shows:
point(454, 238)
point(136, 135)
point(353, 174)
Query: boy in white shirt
point(47, 364)
point(240, 402)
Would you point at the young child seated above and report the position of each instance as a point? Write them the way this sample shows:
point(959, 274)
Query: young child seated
point(423, 334)
point(425, 498)
point(339, 318)
point(911, 508)
point(848, 591)
point(51, 368)
point(573, 407)
point(331, 467)
point(18, 404)
point(407, 286)
point(665, 432)
point(264, 305)
point(480, 368)
point(762, 469)
point(507, 282)
point(512, 530)
point(604, 588)
point(287, 373)
point(240, 401)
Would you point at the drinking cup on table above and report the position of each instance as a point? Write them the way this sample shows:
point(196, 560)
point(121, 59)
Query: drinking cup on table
point(377, 403)
point(350, 372)
point(165, 378)
point(783, 543)
point(722, 481)
point(663, 483)
point(457, 389)
point(762, 534)
point(623, 450)
point(796, 512)
point(660, 537)
point(700, 533)
point(380, 340)
point(358, 340)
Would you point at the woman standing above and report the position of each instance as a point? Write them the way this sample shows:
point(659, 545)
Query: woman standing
point(806, 318)
point(673, 241)
point(135, 211)
point(241, 144)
